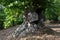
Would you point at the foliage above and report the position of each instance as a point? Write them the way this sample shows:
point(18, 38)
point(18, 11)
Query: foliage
point(2, 16)
point(14, 12)
point(15, 9)
point(12, 17)
point(53, 11)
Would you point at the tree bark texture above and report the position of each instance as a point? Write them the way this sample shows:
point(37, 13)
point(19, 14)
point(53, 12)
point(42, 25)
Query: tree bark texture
point(33, 24)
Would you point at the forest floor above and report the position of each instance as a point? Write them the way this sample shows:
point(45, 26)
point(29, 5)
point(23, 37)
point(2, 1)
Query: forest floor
point(4, 33)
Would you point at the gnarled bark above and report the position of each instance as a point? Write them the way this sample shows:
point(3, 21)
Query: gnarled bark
point(33, 24)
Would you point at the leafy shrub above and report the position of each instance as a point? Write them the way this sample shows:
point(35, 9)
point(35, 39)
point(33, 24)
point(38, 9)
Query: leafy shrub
point(53, 11)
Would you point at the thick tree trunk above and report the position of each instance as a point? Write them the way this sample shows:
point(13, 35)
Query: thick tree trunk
point(33, 24)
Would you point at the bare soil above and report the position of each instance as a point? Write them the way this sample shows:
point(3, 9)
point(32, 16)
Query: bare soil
point(4, 33)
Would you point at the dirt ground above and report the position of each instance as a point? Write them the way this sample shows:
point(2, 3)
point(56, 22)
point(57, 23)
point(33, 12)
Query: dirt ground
point(4, 33)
